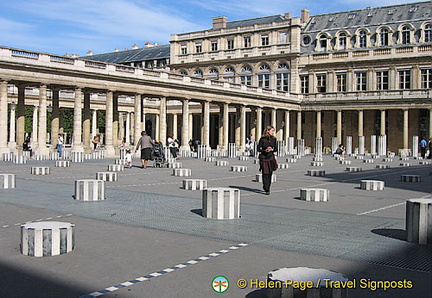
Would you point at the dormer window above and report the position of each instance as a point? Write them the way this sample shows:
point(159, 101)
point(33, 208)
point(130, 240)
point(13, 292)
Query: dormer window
point(323, 42)
point(406, 35)
point(362, 39)
point(342, 41)
point(384, 37)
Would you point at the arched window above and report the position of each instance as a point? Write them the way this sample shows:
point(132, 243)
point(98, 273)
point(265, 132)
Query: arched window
point(362, 39)
point(342, 43)
point(213, 74)
point(229, 74)
point(323, 42)
point(264, 67)
point(198, 73)
point(246, 75)
point(264, 76)
point(406, 35)
point(427, 33)
point(384, 37)
point(183, 73)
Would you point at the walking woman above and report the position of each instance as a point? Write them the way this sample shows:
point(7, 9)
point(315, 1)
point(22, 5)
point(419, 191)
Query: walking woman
point(267, 147)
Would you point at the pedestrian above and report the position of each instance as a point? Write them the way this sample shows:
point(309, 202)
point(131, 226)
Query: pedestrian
point(267, 146)
point(60, 145)
point(95, 142)
point(128, 158)
point(430, 148)
point(27, 147)
point(423, 146)
point(172, 146)
point(146, 144)
point(340, 150)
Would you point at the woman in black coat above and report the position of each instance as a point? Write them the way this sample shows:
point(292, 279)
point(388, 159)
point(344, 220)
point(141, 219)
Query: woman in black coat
point(266, 147)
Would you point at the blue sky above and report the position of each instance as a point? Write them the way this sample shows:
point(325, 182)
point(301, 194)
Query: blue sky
point(77, 26)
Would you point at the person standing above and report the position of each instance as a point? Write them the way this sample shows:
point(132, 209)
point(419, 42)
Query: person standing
point(146, 144)
point(430, 149)
point(423, 145)
point(60, 145)
point(172, 146)
point(267, 146)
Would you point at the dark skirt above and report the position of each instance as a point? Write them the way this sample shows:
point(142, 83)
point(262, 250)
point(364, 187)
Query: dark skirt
point(267, 165)
point(146, 153)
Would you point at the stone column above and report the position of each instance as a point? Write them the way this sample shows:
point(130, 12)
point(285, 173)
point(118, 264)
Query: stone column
point(109, 124)
point(3, 117)
point(258, 123)
point(128, 124)
point(94, 123)
point(86, 122)
point(174, 126)
point(163, 120)
point(34, 138)
point(42, 128)
point(20, 122)
point(121, 127)
point(383, 123)
point(274, 119)
point(318, 124)
point(157, 128)
point(287, 126)
point(185, 125)
point(12, 144)
point(77, 145)
point(115, 126)
point(242, 127)
point(137, 116)
point(225, 125)
point(299, 125)
point(143, 115)
point(405, 129)
point(339, 127)
point(430, 123)
point(55, 121)
point(360, 123)
point(190, 123)
point(206, 124)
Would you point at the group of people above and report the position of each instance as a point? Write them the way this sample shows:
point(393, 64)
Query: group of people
point(424, 147)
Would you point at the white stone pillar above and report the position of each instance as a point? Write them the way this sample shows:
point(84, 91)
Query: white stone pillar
point(360, 123)
point(191, 126)
point(339, 127)
point(299, 125)
point(185, 125)
point(128, 123)
point(287, 126)
point(12, 121)
point(318, 124)
point(225, 125)
point(143, 115)
point(86, 120)
point(110, 152)
point(430, 123)
point(206, 124)
point(94, 123)
point(274, 118)
point(157, 128)
point(137, 116)
point(174, 126)
point(242, 127)
point(77, 145)
point(258, 123)
point(405, 129)
point(42, 128)
point(55, 120)
point(163, 120)
point(115, 126)
point(383, 123)
point(20, 116)
point(34, 138)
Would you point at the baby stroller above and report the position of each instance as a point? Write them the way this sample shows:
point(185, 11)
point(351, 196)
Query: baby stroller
point(159, 155)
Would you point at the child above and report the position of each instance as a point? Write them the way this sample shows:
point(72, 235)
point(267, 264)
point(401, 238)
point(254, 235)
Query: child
point(128, 158)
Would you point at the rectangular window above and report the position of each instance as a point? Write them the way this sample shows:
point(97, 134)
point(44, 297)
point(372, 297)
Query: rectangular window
point(341, 82)
point(283, 37)
point(361, 81)
point(264, 40)
point(382, 80)
point(183, 50)
point(404, 79)
point(247, 42)
point(230, 43)
point(282, 81)
point(304, 84)
point(264, 81)
point(426, 78)
point(198, 48)
point(321, 83)
point(246, 80)
point(214, 45)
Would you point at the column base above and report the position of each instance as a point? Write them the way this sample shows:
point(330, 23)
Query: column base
point(110, 151)
point(77, 148)
point(42, 151)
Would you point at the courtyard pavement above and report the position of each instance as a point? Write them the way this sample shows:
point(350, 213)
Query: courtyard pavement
point(148, 238)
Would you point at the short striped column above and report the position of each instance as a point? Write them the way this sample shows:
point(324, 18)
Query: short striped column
point(405, 164)
point(283, 166)
point(221, 203)
point(291, 160)
point(19, 159)
point(115, 168)
point(387, 159)
point(418, 221)
point(338, 157)
point(258, 178)
point(239, 168)
point(40, 170)
point(62, 163)
point(318, 173)
point(345, 162)
point(315, 194)
point(222, 163)
point(368, 161)
point(256, 161)
point(47, 238)
point(107, 176)
point(175, 165)
point(182, 172)
point(360, 157)
point(194, 184)
point(353, 169)
point(54, 156)
point(243, 158)
point(317, 164)
point(89, 190)
point(424, 162)
point(411, 178)
point(372, 185)
point(120, 162)
point(7, 156)
point(382, 166)
point(210, 159)
point(7, 181)
point(317, 158)
point(77, 157)
point(41, 157)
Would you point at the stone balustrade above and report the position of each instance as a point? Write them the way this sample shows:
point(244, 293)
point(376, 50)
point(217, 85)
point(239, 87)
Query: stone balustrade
point(89, 190)
point(47, 238)
point(315, 194)
point(194, 184)
point(221, 203)
point(7, 181)
point(375, 185)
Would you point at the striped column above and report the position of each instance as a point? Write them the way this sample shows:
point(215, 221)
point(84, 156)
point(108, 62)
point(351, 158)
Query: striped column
point(221, 203)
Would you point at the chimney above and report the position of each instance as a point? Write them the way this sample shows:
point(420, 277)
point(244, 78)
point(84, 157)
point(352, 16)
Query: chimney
point(287, 16)
point(90, 53)
point(219, 22)
point(116, 50)
point(135, 46)
point(304, 15)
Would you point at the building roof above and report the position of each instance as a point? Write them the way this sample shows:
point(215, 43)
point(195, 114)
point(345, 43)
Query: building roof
point(370, 16)
point(251, 22)
point(136, 55)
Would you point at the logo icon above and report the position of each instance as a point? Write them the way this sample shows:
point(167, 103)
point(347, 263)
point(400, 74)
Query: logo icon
point(220, 284)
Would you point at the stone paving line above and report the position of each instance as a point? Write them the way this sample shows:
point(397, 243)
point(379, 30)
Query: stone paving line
point(250, 194)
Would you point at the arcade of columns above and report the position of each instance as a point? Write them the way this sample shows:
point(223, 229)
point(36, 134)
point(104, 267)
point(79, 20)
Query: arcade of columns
point(84, 111)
